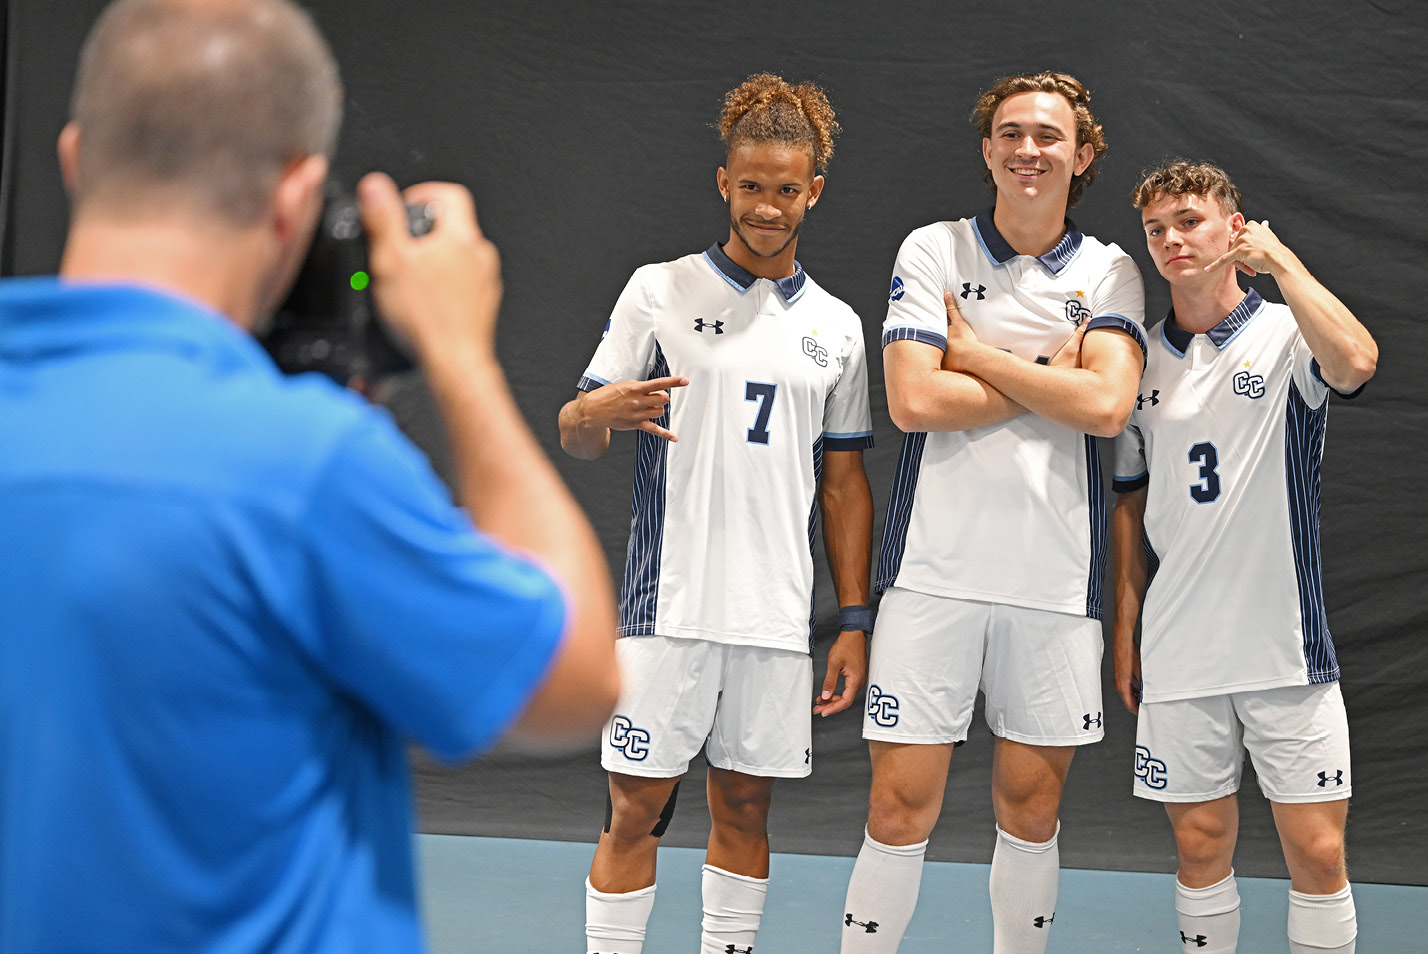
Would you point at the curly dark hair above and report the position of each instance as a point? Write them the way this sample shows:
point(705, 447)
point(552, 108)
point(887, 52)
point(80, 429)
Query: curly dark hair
point(765, 108)
point(1087, 129)
point(1184, 177)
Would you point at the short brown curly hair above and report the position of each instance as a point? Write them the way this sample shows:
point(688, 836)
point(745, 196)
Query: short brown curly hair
point(1184, 177)
point(1087, 129)
point(765, 108)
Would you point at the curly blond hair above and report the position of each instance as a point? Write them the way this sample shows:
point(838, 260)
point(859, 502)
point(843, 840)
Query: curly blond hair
point(765, 108)
point(1087, 129)
point(1184, 177)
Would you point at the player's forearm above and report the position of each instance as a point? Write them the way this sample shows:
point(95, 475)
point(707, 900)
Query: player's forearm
point(923, 397)
point(579, 436)
point(1346, 352)
point(513, 493)
point(1079, 398)
point(847, 503)
point(1130, 564)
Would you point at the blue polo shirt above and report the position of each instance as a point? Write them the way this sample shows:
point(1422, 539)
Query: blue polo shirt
point(227, 599)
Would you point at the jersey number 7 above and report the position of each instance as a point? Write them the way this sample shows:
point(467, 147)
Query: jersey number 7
point(764, 394)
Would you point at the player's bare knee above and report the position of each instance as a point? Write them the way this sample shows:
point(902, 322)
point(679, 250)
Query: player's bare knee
point(1323, 856)
point(740, 801)
point(1203, 844)
point(632, 813)
point(902, 816)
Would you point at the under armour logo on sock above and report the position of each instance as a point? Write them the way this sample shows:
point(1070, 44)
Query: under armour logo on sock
point(731, 949)
point(1041, 922)
point(1337, 778)
point(869, 927)
point(1198, 940)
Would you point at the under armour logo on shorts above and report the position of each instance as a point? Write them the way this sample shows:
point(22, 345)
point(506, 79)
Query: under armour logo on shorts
point(1337, 778)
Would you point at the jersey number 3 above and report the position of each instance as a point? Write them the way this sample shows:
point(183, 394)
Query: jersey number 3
point(764, 394)
point(1208, 489)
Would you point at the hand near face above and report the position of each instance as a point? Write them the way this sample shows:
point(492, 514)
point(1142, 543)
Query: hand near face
point(1254, 250)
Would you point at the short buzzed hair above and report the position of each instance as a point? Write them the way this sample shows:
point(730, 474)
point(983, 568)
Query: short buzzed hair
point(1183, 177)
point(207, 100)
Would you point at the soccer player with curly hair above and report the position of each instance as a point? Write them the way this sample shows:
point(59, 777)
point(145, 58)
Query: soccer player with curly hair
point(1217, 477)
point(1012, 340)
point(762, 375)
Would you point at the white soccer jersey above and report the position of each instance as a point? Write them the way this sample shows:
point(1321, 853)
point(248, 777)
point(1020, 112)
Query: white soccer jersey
point(722, 535)
point(1012, 512)
point(1227, 436)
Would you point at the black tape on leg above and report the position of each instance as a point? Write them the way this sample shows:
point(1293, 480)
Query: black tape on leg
point(666, 813)
point(609, 811)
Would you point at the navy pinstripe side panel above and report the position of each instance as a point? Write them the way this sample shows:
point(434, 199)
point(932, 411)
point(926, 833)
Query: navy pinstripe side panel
point(813, 531)
point(639, 594)
point(1303, 453)
point(1152, 559)
point(1096, 492)
point(899, 510)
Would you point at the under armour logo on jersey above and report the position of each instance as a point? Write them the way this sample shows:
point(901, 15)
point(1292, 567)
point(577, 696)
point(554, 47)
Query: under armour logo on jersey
point(1250, 385)
point(1141, 399)
point(869, 927)
point(816, 351)
point(626, 737)
point(731, 949)
point(1096, 721)
point(882, 708)
point(1198, 940)
point(896, 293)
point(1076, 312)
point(1337, 778)
point(700, 324)
point(1149, 770)
point(979, 291)
point(1041, 922)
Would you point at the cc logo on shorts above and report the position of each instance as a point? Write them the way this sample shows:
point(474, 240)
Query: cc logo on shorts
point(634, 742)
point(882, 708)
point(1149, 770)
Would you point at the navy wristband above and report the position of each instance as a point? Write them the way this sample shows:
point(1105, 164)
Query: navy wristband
point(855, 619)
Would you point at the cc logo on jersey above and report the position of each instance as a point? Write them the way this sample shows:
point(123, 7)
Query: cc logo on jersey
point(882, 708)
point(1149, 770)
point(817, 352)
point(1250, 385)
point(1076, 312)
point(634, 742)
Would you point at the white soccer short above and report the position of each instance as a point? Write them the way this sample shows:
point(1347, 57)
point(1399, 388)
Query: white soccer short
point(1040, 670)
point(1192, 750)
point(753, 705)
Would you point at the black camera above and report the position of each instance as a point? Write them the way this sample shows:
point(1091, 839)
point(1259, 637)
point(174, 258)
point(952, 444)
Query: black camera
point(328, 322)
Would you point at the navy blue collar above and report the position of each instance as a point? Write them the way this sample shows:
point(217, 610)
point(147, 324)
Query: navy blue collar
point(1000, 252)
point(741, 278)
point(1179, 339)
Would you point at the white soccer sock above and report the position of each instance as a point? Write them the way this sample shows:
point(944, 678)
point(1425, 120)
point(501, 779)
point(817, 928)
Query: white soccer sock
point(882, 894)
point(1322, 923)
point(1209, 917)
point(1025, 878)
point(733, 908)
point(615, 923)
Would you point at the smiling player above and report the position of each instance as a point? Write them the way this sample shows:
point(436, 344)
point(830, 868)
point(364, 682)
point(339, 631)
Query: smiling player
point(762, 375)
point(1010, 339)
point(1218, 474)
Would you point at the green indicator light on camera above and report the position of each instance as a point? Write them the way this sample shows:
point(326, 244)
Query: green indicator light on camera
point(360, 281)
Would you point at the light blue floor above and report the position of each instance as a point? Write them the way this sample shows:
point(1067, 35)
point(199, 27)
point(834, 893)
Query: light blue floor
point(512, 896)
